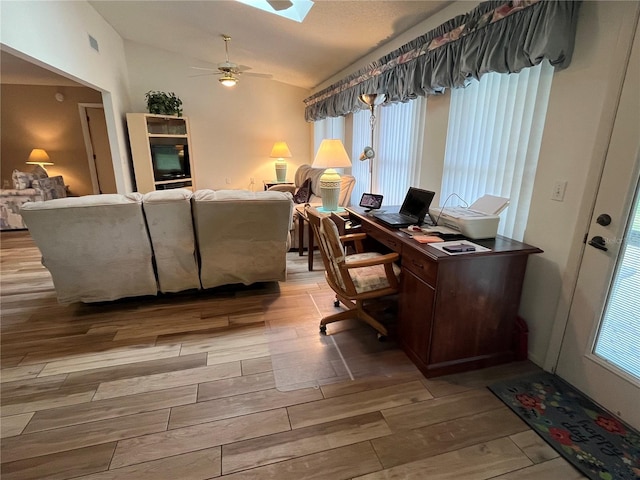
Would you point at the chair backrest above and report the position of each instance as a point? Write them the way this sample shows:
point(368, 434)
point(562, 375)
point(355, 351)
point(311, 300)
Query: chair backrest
point(332, 252)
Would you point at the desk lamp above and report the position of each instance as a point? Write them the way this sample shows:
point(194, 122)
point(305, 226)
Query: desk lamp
point(281, 151)
point(331, 155)
point(39, 157)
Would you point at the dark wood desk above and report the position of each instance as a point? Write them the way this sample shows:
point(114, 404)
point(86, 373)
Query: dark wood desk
point(455, 312)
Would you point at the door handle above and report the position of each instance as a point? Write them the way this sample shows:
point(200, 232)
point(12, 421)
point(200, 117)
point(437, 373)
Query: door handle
point(604, 219)
point(599, 243)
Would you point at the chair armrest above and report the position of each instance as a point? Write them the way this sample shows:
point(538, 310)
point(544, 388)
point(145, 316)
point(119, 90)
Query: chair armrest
point(370, 262)
point(352, 237)
point(283, 188)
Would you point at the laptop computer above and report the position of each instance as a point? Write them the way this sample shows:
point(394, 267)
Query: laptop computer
point(412, 212)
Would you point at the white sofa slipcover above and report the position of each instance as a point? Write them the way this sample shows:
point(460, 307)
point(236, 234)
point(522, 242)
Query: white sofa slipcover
point(170, 225)
point(242, 236)
point(96, 247)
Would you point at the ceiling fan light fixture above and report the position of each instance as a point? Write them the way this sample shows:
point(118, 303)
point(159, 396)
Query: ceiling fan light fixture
point(228, 80)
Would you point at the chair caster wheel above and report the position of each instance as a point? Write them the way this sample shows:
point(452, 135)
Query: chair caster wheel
point(336, 303)
point(323, 329)
point(382, 338)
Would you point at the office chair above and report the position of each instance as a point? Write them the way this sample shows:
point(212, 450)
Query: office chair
point(356, 278)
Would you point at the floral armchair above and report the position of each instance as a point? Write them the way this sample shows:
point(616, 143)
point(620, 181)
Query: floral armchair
point(27, 187)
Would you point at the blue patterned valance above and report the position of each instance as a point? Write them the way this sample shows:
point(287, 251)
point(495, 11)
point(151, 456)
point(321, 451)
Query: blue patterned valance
point(496, 36)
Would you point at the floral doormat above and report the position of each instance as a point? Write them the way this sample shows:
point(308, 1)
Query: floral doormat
point(599, 445)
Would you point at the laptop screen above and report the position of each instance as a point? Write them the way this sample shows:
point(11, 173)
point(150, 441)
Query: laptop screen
point(416, 203)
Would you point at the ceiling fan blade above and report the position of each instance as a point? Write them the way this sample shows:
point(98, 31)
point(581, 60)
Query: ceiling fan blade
point(204, 68)
point(204, 74)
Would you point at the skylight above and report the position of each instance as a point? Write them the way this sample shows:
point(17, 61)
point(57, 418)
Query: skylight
point(292, 9)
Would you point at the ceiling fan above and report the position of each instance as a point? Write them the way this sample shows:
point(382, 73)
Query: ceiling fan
point(230, 72)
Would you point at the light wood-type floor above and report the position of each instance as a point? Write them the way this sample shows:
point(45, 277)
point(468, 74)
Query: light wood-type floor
point(182, 387)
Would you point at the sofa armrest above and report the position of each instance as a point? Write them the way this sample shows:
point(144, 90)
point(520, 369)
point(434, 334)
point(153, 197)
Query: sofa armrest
point(283, 188)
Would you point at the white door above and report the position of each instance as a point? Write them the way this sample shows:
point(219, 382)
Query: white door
point(602, 359)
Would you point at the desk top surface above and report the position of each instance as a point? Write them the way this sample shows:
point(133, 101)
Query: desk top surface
point(498, 245)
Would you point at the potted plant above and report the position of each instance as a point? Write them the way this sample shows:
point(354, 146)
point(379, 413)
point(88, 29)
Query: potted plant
point(163, 103)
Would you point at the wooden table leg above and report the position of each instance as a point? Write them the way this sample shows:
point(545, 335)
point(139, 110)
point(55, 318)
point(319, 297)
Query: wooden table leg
point(301, 234)
point(311, 246)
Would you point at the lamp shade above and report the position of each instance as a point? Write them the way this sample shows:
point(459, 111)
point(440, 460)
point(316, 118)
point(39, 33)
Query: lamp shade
point(280, 150)
point(39, 157)
point(331, 154)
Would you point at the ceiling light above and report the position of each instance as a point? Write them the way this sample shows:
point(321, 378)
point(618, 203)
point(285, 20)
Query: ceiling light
point(228, 80)
point(293, 10)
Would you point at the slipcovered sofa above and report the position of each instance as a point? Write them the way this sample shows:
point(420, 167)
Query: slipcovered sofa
point(27, 187)
point(304, 172)
point(104, 247)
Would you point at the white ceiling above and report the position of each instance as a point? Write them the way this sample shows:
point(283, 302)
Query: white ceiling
point(334, 34)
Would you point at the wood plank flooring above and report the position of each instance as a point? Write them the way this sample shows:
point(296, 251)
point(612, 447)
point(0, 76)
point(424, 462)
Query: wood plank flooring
point(182, 387)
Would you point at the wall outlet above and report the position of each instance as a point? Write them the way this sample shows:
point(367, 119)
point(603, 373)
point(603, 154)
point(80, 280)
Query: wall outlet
point(227, 180)
point(251, 182)
point(559, 188)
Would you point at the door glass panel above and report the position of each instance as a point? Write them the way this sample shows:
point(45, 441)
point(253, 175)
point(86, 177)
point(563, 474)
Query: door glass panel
point(618, 340)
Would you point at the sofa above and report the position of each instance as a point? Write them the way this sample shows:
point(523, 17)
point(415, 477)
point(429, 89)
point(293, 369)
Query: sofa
point(27, 187)
point(105, 247)
point(314, 198)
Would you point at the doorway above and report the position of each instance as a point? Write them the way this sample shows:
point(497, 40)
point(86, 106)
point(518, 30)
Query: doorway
point(601, 343)
point(96, 140)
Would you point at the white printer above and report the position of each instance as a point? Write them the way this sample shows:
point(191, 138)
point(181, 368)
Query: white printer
point(480, 220)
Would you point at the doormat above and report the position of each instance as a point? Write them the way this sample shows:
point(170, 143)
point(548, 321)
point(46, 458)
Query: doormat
point(601, 446)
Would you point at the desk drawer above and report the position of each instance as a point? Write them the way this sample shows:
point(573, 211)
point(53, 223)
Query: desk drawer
point(418, 263)
point(384, 238)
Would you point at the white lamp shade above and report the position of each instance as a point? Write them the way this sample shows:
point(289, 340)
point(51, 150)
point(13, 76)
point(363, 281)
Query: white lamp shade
point(39, 157)
point(331, 154)
point(280, 150)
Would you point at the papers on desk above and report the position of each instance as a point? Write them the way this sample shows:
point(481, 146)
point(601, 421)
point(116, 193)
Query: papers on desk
point(429, 231)
point(444, 246)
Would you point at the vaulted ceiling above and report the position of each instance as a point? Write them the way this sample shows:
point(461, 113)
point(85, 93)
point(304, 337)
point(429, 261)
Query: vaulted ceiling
point(334, 34)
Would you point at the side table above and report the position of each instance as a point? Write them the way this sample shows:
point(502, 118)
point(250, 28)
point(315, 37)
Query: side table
point(302, 220)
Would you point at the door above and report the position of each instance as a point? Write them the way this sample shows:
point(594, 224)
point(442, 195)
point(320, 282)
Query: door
point(602, 358)
point(98, 149)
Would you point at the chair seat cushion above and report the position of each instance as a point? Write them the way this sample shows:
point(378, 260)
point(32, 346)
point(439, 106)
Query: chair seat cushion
point(367, 279)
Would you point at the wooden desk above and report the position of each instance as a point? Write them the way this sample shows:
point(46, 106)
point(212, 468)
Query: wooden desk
point(455, 312)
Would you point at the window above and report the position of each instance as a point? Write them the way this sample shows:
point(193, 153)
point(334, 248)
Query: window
point(493, 141)
point(327, 128)
point(398, 131)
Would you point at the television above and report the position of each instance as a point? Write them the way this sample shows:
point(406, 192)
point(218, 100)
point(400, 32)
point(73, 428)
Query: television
point(170, 162)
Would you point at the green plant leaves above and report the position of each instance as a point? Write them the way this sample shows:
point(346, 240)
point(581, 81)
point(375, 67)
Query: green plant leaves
point(163, 103)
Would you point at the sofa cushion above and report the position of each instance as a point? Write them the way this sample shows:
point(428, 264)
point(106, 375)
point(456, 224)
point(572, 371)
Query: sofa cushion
point(168, 214)
point(50, 187)
point(23, 180)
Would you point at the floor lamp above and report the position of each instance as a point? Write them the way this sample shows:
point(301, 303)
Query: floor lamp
point(371, 100)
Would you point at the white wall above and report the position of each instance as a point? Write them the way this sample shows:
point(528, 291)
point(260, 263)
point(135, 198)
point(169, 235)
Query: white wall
point(232, 129)
point(579, 119)
point(54, 34)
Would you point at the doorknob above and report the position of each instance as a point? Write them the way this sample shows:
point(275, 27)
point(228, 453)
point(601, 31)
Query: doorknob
point(599, 243)
point(603, 219)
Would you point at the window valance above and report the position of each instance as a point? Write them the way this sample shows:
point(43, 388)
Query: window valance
point(496, 36)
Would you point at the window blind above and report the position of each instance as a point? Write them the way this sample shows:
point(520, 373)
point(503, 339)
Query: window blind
point(493, 141)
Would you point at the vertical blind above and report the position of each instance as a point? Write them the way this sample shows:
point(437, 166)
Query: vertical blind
point(619, 336)
point(398, 134)
point(493, 141)
point(330, 127)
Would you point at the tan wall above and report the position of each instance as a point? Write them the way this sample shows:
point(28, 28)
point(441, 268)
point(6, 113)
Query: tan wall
point(33, 118)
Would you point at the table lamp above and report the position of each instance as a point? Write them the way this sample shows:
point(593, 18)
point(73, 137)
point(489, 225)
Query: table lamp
point(331, 154)
point(39, 157)
point(281, 151)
